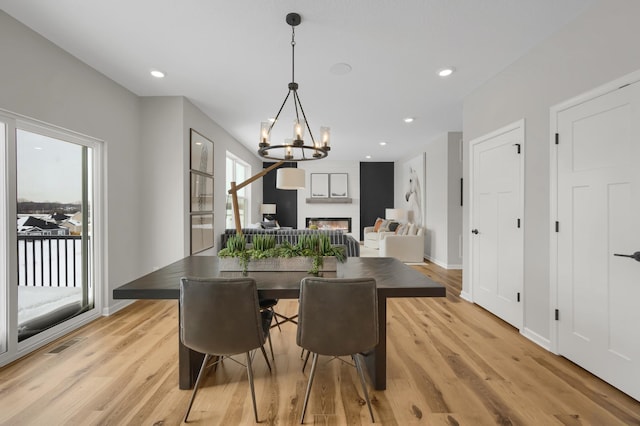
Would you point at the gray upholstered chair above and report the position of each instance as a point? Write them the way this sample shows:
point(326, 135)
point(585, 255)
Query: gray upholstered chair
point(337, 317)
point(221, 317)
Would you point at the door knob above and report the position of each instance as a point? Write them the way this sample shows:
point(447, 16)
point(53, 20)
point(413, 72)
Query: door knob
point(474, 231)
point(635, 256)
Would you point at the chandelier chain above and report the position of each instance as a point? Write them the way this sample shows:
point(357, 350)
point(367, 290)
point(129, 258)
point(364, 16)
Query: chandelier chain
point(293, 54)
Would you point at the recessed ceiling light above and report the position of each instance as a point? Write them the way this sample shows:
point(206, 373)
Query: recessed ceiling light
point(368, 157)
point(157, 74)
point(446, 72)
point(340, 69)
point(383, 143)
point(37, 148)
point(408, 120)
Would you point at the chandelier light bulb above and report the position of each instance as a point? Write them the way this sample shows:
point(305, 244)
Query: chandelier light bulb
point(265, 126)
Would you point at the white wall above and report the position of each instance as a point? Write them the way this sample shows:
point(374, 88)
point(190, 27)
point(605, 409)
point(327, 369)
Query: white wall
point(599, 46)
point(162, 160)
point(335, 209)
point(436, 237)
point(454, 209)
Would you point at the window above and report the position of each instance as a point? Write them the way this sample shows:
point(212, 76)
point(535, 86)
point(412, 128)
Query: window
point(237, 171)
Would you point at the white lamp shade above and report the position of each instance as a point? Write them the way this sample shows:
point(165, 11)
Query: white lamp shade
point(267, 209)
point(290, 178)
point(395, 214)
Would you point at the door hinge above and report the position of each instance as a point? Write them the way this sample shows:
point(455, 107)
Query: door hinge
point(517, 145)
point(518, 298)
point(557, 138)
point(557, 314)
point(557, 226)
point(518, 222)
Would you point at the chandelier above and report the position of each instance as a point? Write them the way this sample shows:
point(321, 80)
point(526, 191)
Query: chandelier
point(294, 149)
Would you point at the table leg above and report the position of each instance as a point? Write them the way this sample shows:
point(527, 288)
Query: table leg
point(189, 365)
point(189, 362)
point(376, 360)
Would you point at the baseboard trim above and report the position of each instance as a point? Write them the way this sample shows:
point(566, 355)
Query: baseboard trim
point(536, 338)
point(117, 306)
point(442, 264)
point(466, 296)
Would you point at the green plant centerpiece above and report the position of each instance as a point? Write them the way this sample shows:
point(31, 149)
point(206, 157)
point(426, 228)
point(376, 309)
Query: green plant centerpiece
point(314, 246)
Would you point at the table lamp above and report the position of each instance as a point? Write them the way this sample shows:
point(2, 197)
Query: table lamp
point(266, 210)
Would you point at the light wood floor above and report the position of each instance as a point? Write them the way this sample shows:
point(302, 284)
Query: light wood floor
point(450, 363)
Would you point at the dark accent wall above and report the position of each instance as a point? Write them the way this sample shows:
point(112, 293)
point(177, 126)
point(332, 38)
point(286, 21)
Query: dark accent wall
point(376, 192)
point(286, 201)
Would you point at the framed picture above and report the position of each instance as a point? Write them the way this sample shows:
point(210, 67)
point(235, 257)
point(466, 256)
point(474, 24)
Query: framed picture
point(201, 193)
point(201, 153)
point(319, 185)
point(201, 232)
point(412, 188)
point(338, 185)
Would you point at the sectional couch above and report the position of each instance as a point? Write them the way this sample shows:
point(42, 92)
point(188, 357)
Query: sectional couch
point(336, 236)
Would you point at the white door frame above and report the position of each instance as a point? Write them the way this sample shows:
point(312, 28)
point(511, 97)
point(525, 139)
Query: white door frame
point(517, 125)
point(553, 190)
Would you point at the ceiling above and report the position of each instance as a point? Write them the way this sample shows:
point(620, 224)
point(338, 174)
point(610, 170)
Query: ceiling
point(232, 59)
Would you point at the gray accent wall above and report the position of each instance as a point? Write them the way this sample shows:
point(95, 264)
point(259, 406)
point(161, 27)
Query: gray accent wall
point(599, 46)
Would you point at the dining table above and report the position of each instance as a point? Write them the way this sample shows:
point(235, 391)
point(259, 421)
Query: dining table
point(394, 279)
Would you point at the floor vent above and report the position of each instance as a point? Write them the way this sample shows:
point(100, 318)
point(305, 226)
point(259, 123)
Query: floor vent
point(64, 345)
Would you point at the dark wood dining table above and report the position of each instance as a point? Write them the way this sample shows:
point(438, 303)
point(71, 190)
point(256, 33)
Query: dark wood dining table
point(393, 279)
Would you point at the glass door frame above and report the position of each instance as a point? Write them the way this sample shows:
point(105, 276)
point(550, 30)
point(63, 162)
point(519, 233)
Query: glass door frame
point(8, 252)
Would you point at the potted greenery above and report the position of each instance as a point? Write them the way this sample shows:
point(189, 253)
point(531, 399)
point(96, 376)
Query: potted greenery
point(312, 253)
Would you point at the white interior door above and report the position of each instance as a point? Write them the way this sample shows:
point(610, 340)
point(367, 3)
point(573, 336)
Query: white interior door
point(598, 191)
point(496, 222)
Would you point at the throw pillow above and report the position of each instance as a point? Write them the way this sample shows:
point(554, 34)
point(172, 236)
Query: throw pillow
point(384, 226)
point(393, 226)
point(376, 226)
point(413, 229)
point(270, 224)
point(420, 231)
point(400, 230)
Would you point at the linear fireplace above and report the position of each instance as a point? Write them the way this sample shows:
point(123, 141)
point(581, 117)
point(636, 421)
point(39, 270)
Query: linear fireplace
point(342, 223)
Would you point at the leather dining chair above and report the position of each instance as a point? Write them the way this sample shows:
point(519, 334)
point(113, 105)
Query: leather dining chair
point(337, 317)
point(221, 317)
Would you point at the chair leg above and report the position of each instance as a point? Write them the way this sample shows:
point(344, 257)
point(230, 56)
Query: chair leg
point(207, 357)
point(306, 395)
point(253, 392)
point(275, 317)
point(364, 384)
point(264, 353)
point(271, 346)
point(306, 359)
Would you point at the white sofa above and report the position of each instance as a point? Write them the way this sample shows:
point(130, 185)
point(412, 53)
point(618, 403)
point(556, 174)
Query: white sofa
point(406, 248)
point(372, 238)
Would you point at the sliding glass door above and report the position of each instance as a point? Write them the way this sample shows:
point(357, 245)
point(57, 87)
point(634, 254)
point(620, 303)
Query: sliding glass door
point(53, 231)
point(4, 274)
point(50, 246)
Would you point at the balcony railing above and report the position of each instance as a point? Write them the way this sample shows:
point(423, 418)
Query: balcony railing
point(50, 261)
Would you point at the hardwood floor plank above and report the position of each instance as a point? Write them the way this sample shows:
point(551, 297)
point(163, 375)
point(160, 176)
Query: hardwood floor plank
point(449, 363)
